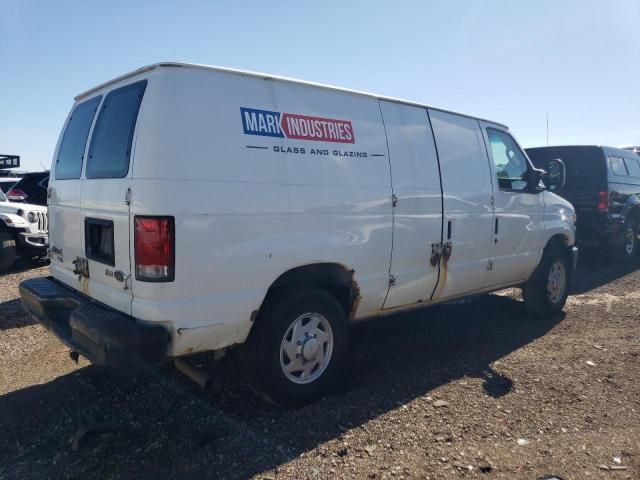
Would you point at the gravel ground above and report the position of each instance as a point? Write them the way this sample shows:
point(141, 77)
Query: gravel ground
point(473, 389)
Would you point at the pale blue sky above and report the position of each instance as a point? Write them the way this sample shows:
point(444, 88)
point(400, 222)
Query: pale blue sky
point(508, 61)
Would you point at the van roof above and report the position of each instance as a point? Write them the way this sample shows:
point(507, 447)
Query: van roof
point(270, 77)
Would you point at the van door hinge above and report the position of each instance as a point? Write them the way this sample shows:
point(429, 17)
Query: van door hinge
point(49, 192)
point(127, 197)
point(394, 200)
point(493, 201)
point(436, 253)
point(489, 265)
point(440, 251)
point(126, 282)
point(392, 280)
point(81, 267)
point(446, 251)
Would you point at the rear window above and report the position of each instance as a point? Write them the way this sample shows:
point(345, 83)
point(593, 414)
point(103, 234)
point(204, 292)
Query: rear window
point(633, 166)
point(584, 165)
point(617, 165)
point(110, 148)
point(74, 140)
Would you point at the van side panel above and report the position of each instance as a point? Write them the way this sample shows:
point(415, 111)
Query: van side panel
point(250, 206)
point(418, 214)
point(467, 188)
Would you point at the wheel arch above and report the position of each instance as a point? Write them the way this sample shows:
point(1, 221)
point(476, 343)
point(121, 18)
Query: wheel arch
point(558, 240)
point(336, 278)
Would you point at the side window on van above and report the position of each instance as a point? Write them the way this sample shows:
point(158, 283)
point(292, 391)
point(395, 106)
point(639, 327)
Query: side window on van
point(511, 164)
point(74, 140)
point(633, 166)
point(110, 147)
point(617, 165)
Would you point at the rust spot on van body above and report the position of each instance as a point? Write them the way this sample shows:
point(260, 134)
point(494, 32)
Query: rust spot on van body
point(85, 285)
point(442, 280)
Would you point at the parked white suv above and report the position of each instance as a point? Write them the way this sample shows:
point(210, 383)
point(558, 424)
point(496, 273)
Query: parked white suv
point(197, 208)
point(23, 231)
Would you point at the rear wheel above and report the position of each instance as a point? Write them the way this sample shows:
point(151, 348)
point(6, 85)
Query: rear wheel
point(630, 247)
point(546, 292)
point(298, 347)
point(7, 251)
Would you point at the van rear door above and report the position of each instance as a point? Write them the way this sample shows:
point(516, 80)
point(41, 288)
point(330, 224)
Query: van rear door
point(105, 223)
point(65, 233)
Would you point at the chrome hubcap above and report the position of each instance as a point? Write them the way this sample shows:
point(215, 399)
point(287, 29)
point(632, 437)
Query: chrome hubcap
point(631, 238)
point(306, 348)
point(557, 282)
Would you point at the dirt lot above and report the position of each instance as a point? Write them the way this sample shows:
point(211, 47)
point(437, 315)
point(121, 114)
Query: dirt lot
point(524, 398)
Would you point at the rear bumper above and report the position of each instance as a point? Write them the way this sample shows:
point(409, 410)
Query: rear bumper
point(104, 336)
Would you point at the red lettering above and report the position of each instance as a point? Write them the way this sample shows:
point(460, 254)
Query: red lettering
point(303, 127)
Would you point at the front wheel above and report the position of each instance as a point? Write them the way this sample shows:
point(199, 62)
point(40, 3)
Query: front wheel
point(545, 293)
point(298, 347)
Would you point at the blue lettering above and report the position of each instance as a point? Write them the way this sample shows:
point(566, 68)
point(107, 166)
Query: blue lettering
point(261, 122)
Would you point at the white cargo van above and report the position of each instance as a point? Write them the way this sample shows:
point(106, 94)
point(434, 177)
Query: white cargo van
point(195, 208)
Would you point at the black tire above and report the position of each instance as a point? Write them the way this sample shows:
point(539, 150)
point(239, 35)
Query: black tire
point(630, 247)
point(539, 300)
point(7, 251)
point(266, 358)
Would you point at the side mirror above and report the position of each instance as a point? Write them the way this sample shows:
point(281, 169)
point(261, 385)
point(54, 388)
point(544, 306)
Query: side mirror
point(556, 174)
point(533, 180)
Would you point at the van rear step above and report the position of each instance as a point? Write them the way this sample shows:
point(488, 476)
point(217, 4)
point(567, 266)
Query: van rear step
point(104, 336)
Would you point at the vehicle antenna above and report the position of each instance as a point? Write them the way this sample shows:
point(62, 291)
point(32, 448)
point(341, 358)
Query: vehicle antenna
point(547, 128)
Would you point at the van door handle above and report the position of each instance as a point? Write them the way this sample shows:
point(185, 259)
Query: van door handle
point(449, 230)
point(496, 227)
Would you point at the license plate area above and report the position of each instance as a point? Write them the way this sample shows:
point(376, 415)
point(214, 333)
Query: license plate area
point(99, 244)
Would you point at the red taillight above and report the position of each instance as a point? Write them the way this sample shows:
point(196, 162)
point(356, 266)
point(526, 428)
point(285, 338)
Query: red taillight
point(16, 195)
point(603, 201)
point(155, 244)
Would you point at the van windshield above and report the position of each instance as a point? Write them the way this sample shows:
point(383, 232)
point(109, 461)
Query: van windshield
point(584, 165)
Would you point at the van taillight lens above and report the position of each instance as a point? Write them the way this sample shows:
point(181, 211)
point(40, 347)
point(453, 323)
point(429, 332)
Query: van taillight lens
point(603, 201)
point(155, 247)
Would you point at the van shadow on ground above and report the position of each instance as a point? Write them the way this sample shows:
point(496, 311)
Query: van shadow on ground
point(161, 425)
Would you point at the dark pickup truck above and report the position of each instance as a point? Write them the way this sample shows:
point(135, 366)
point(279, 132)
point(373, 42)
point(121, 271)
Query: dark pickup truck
point(603, 184)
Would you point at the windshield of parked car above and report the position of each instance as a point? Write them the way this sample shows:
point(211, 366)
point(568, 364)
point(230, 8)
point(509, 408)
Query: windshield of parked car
point(2, 197)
